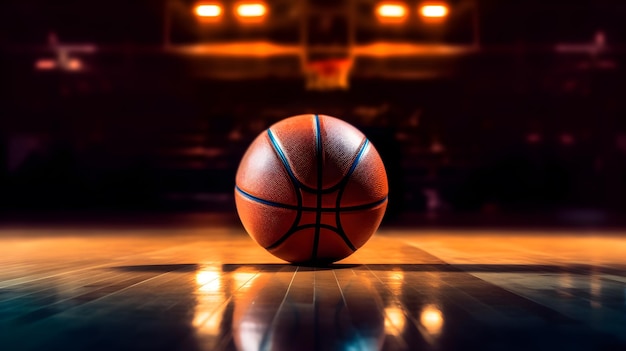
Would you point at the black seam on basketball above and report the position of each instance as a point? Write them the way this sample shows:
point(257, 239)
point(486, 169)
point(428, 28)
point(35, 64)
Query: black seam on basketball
point(320, 184)
point(299, 186)
point(294, 181)
point(266, 202)
point(285, 162)
point(341, 234)
point(292, 231)
point(355, 162)
point(342, 187)
point(366, 206)
point(309, 209)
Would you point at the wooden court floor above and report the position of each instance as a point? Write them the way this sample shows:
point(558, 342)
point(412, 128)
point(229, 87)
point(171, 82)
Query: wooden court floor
point(205, 286)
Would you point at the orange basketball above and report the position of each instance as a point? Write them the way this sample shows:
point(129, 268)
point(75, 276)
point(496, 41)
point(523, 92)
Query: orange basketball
point(311, 189)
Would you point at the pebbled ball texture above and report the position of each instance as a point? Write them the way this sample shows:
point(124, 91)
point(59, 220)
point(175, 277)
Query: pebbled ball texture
point(311, 189)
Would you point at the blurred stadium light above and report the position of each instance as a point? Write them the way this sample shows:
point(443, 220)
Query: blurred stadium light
point(368, 34)
point(391, 12)
point(433, 10)
point(324, 45)
point(323, 33)
point(64, 56)
point(208, 10)
point(45, 64)
point(251, 10)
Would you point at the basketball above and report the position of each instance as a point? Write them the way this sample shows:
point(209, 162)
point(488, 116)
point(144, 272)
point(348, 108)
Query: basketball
point(311, 189)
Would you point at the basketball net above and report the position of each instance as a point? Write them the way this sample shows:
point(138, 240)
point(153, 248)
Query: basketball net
point(328, 74)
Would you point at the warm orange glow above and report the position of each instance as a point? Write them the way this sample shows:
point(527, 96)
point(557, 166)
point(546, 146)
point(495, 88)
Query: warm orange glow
point(328, 74)
point(251, 10)
point(395, 321)
point(432, 319)
point(243, 278)
point(389, 49)
point(434, 10)
point(208, 10)
point(74, 64)
point(525, 247)
point(251, 48)
point(208, 280)
point(208, 310)
point(45, 64)
point(391, 11)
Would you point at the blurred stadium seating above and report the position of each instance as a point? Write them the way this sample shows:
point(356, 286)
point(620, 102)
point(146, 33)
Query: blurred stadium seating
point(517, 119)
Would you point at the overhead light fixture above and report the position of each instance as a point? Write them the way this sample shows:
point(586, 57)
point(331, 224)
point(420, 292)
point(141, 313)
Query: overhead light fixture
point(391, 10)
point(204, 10)
point(251, 10)
point(433, 10)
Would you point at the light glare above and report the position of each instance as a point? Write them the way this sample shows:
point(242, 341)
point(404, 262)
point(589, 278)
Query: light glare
point(431, 318)
point(395, 321)
point(391, 11)
point(208, 10)
point(74, 64)
point(45, 64)
point(208, 281)
point(251, 10)
point(434, 11)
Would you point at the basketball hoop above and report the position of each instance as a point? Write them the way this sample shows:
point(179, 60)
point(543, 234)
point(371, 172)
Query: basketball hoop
point(328, 74)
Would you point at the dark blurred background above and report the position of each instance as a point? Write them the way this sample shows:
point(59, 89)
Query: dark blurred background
point(480, 107)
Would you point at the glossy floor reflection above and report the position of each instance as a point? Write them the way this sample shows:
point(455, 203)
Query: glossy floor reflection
point(212, 288)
